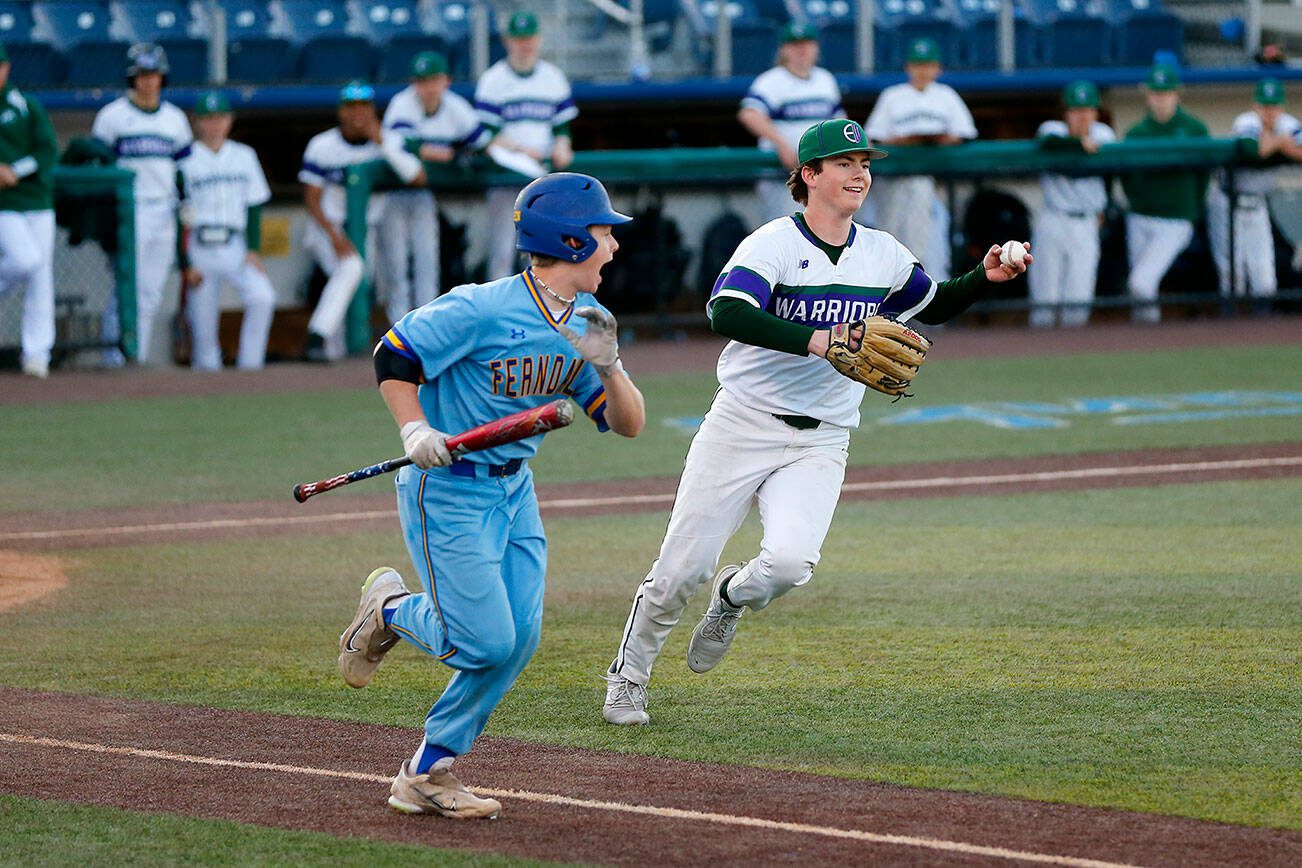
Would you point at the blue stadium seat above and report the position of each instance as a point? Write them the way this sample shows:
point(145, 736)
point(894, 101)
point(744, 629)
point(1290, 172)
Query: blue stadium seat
point(329, 50)
point(386, 19)
point(754, 37)
point(659, 18)
point(254, 52)
point(821, 13)
point(1073, 33)
point(899, 22)
point(979, 20)
point(777, 10)
point(836, 46)
point(1140, 29)
point(81, 31)
point(167, 23)
point(32, 63)
point(453, 23)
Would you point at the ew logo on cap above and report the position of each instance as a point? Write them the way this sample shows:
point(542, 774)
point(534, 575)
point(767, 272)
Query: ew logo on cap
point(852, 133)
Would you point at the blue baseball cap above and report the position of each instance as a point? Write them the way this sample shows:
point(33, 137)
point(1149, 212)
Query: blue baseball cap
point(356, 91)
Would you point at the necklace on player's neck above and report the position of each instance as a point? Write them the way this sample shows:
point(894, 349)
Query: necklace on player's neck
point(547, 289)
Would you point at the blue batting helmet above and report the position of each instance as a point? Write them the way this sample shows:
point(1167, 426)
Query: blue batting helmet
point(560, 206)
point(146, 57)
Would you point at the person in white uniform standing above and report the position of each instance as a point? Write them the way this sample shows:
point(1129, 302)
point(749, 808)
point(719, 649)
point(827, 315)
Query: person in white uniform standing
point(1065, 236)
point(779, 427)
point(225, 190)
point(357, 139)
point(436, 124)
point(782, 102)
point(1270, 133)
point(527, 105)
point(28, 152)
point(147, 135)
point(922, 111)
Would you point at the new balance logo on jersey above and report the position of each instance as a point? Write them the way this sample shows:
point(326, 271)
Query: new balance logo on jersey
point(804, 263)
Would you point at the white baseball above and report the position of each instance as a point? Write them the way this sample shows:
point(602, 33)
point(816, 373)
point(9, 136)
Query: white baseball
point(1012, 253)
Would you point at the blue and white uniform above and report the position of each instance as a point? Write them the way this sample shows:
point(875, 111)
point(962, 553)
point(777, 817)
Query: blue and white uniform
point(744, 453)
point(472, 528)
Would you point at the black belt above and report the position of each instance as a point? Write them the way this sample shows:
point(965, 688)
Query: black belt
point(474, 468)
point(801, 423)
point(1078, 213)
point(214, 234)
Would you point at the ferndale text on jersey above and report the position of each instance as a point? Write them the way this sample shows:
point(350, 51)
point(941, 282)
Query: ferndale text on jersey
point(517, 376)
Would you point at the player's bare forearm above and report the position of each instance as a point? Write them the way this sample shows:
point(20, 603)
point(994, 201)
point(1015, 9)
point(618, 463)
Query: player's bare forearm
point(402, 401)
point(625, 408)
point(312, 202)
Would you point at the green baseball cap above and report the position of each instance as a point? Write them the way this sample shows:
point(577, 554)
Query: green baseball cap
point(428, 64)
point(923, 51)
point(521, 24)
point(1163, 77)
point(356, 91)
point(797, 31)
point(212, 102)
point(830, 138)
point(1270, 91)
point(1081, 94)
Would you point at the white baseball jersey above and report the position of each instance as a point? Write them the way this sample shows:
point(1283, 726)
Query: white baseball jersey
point(794, 103)
point(1259, 182)
point(526, 108)
point(1074, 195)
point(221, 185)
point(148, 143)
point(455, 124)
point(325, 164)
point(903, 110)
point(782, 269)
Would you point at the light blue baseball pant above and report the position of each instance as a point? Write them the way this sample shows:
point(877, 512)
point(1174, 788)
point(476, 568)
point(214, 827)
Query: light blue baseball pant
point(479, 549)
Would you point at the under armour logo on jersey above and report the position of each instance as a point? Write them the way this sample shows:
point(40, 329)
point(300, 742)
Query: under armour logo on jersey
point(517, 334)
point(804, 263)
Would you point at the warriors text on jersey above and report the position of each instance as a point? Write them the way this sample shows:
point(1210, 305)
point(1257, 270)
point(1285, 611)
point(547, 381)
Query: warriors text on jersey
point(221, 185)
point(526, 108)
point(792, 102)
point(488, 350)
point(784, 270)
point(148, 143)
point(455, 124)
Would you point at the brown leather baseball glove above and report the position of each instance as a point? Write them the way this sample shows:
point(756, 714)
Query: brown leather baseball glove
point(886, 358)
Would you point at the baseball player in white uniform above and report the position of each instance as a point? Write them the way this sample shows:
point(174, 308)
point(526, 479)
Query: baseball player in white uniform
point(781, 104)
point(1065, 235)
point(779, 427)
point(358, 139)
point(1272, 132)
point(526, 104)
point(437, 124)
point(921, 111)
point(28, 152)
point(225, 190)
point(147, 135)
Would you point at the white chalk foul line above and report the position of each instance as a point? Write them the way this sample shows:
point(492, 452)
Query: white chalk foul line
point(618, 500)
point(591, 804)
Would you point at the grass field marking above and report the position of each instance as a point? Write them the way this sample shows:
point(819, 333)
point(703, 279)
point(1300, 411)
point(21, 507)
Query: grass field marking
point(590, 804)
point(615, 501)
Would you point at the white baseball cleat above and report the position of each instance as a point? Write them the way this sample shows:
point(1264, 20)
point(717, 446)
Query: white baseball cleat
point(367, 639)
point(625, 702)
point(713, 635)
point(439, 792)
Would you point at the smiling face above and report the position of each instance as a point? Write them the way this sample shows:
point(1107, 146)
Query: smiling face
point(842, 184)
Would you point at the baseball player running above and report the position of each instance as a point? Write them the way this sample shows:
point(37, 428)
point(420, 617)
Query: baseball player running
point(1066, 231)
point(525, 102)
point(782, 102)
point(436, 124)
point(147, 135)
point(472, 528)
point(358, 139)
point(1163, 205)
point(28, 151)
point(921, 111)
point(1270, 131)
point(225, 190)
point(779, 427)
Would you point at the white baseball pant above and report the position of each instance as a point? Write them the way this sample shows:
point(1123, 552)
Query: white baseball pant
point(409, 233)
point(739, 456)
point(1254, 244)
point(219, 264)
point(343, 277)
point(1152, 244)
point(499, 208)
point(1061, 285)
point(27, 260)
point(155, 256)
point(905, 209)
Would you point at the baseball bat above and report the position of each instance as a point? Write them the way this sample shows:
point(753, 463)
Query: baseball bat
point(508, 429)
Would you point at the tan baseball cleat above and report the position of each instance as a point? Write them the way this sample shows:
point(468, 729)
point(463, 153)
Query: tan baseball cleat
point(366, 640)
point(713, 635)
point(439, 793)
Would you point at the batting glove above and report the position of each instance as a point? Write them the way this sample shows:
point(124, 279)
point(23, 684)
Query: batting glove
point(599, 343)
point(425, 446)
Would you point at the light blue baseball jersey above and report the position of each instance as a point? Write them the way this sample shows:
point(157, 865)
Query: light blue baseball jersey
point(492, 349)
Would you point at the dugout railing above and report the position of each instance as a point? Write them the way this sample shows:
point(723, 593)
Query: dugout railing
point(664, 172)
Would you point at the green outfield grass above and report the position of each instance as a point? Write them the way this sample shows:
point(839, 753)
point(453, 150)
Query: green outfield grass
point(239, 447)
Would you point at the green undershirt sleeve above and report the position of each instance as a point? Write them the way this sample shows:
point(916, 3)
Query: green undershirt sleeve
point(955, 295)
point(253, 228)
point(744, 322)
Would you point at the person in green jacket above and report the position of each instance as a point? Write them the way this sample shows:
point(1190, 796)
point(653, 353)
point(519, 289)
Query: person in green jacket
point(28, 152)
point(1164, 205)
